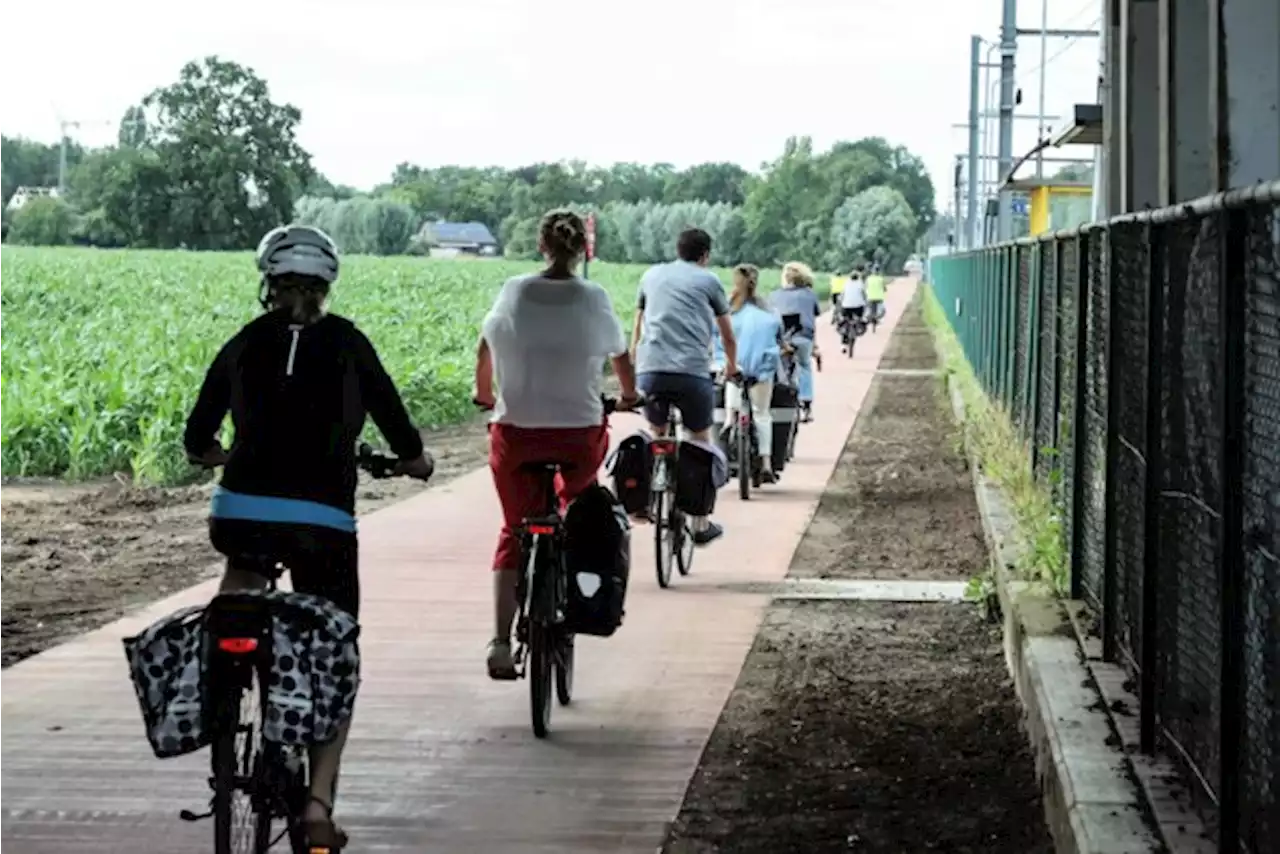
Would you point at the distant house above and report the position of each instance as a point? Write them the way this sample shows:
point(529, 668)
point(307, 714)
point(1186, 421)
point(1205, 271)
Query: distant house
point(450, 239)
point(25, 194)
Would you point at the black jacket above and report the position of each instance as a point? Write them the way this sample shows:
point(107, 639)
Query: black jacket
point(298, 397)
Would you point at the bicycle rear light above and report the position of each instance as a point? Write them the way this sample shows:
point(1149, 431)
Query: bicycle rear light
point(238, 646)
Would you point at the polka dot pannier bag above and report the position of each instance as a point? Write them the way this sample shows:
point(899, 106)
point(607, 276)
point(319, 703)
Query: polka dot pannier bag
point(312, 690)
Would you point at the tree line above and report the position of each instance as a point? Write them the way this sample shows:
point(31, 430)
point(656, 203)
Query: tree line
point(211, 162)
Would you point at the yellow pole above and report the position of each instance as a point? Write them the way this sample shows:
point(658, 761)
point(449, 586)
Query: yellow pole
point(1039, 210)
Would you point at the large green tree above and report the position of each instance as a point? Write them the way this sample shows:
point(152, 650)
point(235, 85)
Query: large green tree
point(875, 225)
point(230, 153)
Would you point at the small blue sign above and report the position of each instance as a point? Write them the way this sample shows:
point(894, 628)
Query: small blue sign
point(1019, 205)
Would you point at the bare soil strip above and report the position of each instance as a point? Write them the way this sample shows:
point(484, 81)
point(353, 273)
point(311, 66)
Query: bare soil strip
point(875, 726)
point(77, 556)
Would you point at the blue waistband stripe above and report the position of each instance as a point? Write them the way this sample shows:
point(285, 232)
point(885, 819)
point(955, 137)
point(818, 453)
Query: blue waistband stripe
point(266, 508)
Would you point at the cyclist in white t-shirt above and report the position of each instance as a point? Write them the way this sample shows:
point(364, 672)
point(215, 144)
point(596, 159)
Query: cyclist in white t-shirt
point(547, 338)
point(853, 302)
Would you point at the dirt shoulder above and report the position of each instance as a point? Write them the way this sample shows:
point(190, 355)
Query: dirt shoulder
point(77, 556)
point(874, 726)
point(900, 503)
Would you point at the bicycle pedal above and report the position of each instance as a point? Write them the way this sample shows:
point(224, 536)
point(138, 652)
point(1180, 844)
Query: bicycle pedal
point(188, 815)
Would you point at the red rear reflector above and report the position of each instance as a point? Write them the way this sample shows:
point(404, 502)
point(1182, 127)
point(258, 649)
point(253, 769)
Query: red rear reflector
point(238, 646)
point(630, 482)
point(541, 529)
point(663, 449)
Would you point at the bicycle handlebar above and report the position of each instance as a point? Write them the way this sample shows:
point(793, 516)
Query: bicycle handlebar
point(380, 466)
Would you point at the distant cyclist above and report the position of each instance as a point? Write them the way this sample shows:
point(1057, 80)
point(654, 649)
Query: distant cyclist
point(837, 287)
point(875, 292)
point(759, 332)
point(678, 307)
point(547, 337)
point(853, 303)
point(298, 383)
point(796, 302)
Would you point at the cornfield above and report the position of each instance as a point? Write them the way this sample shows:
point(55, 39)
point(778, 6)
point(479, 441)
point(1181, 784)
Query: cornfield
point(104, 351)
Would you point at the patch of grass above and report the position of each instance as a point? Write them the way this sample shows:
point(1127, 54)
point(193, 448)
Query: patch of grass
point(1006, 459)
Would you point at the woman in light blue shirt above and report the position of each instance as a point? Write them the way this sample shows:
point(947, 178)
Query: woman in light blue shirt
point(758, 331)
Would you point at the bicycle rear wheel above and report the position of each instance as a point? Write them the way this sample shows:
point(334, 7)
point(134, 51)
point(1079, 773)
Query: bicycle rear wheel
point(662, 535)
point(241, 802)
point(744, 463)
point(541, 664)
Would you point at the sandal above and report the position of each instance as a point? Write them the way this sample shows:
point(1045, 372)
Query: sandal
point(323, 835)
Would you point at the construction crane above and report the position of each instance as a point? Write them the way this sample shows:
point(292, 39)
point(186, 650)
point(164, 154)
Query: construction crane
point(64, 125)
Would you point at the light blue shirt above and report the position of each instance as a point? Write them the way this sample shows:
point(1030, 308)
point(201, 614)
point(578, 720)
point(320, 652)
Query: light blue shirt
point(757, 331)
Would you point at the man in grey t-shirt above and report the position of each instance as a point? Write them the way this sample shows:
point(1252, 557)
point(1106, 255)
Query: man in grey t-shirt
point(679, 306)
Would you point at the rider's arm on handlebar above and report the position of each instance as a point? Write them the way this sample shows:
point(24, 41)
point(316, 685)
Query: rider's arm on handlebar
point(484, 397)
point(382, 401)
point(729, 343)
point(200, 439)
point(625, 371)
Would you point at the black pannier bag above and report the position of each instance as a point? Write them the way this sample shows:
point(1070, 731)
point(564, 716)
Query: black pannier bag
point(314, 651)
point(597, 560)
point(784, 408)
point(631, 465)
point(700, 472)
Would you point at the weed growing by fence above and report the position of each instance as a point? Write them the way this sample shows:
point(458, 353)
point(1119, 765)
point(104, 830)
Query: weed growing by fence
point(1006, 460)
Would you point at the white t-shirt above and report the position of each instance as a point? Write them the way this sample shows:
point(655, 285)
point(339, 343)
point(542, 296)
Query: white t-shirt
point(549, 339)
point(854, 295)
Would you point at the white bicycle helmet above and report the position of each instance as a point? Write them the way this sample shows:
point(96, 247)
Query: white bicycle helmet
point(299, 249)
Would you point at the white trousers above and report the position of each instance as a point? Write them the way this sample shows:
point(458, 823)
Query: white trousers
point(761, 397)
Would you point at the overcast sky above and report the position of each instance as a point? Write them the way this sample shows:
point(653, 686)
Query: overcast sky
point(511, 82)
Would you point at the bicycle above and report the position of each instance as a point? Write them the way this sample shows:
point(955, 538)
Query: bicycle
point(876, 310)
point(273, 778)
point(543, 645)
point(852, 327)
point(743, 444)
point(542, 592)
point(672, 534)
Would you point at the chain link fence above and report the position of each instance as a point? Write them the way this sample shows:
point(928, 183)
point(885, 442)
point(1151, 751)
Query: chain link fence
point(1140, 360)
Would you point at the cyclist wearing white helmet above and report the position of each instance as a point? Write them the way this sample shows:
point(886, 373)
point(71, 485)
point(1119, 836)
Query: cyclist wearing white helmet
point(298, 383)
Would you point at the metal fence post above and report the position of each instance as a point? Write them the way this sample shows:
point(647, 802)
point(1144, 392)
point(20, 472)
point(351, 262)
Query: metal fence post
point(1078, 436)
point(1031, 374)
point(1010, 268)
point(1231, 373)
point(1109, 616)
point(1158, 273)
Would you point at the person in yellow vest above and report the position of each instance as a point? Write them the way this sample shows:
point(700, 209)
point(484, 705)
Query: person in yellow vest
point(837, 288)
point(875, 295)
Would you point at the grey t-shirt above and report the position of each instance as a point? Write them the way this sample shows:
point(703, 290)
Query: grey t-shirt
point(797, 300)
point(680, 302)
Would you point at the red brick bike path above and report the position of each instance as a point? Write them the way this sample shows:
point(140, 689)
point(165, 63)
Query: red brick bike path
point(441, 759)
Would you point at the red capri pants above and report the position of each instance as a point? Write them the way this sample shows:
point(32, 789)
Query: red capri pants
point(520, 492)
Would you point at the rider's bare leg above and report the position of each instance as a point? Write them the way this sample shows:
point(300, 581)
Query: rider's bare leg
point(505, 606)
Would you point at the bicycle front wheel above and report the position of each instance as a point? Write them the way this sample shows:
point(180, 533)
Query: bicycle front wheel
point(241, 810)
point(564, 669)
point(682, 541)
